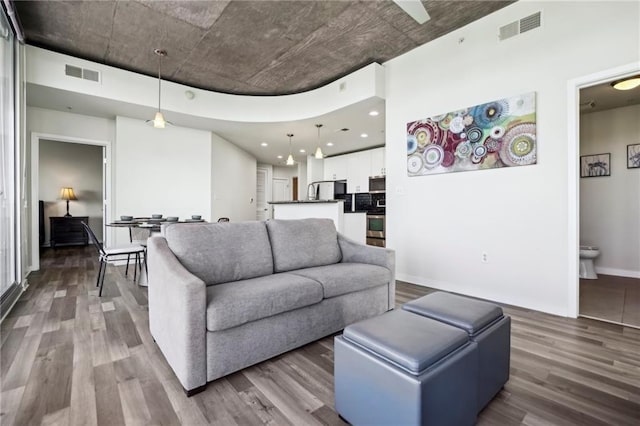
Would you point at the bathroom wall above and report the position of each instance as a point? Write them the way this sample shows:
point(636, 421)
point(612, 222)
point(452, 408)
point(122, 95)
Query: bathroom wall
point(610, 205)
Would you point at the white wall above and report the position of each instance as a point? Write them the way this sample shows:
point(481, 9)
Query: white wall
point(440, 225)
point(233, 181)
point(72, 165)
point(165, 171)
point(64, 124)
point(302, 181)
point(610, 206)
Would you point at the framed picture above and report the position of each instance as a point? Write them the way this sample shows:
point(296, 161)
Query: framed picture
point(595, 165)
point(633, 156)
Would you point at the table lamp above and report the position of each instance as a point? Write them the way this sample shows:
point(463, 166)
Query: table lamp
point(67, 194)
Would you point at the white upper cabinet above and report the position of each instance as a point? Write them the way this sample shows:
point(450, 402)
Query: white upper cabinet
point(358, 169)
point(335, 168)
point(377, 162)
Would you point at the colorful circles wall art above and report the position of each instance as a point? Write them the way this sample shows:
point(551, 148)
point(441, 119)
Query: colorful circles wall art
point(496, 134)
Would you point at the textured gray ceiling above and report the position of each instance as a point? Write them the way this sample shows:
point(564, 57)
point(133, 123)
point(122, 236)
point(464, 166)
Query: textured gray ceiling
point(241, 47)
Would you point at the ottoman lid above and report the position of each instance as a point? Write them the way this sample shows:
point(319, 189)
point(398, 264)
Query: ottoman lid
point(468, 314)
point(410, 341)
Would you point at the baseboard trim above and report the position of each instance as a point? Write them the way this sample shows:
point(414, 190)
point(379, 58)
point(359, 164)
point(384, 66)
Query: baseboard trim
point(617, 272)
point(609, 321)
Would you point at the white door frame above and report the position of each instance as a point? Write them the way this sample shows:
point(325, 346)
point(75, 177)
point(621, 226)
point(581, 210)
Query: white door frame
point(35, 187)
point(573, 159)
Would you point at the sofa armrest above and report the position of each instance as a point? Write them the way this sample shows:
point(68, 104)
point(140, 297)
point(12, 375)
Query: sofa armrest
point(177, 314)
point(353, 251)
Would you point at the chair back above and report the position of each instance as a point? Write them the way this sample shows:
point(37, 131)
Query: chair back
point(223, 219)
point(139, 235)
point(94, 239)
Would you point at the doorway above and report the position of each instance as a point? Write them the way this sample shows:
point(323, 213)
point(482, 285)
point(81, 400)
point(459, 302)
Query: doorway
point(262, 189)
point(281, 189)
point(69, 162)
point(603, 298)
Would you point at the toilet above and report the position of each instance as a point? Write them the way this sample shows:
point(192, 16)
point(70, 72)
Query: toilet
point(587, 254)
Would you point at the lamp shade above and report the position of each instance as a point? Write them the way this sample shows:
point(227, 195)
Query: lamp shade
point(290, 161)
point(67, 194)
point(159, 121)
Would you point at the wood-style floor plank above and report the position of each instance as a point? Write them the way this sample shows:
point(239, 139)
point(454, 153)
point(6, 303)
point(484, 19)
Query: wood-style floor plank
point(69, 357)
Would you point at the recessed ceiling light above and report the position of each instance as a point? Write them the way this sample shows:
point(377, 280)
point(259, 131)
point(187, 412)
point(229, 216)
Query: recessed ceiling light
point(264, 144)
point(329, 143)
point(373, 113)
point(364, 135)
point(302, 151)
point(280, 157)
point(627, 83)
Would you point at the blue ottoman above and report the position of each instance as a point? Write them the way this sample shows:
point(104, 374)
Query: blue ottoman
point(404, 369)
point(485, 324)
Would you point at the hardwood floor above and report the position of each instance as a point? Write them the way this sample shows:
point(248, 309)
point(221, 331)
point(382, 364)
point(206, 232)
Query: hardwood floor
point(611, 298)
point(69, 357)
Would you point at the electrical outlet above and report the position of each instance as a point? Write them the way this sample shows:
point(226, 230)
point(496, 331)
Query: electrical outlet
point(485, 257)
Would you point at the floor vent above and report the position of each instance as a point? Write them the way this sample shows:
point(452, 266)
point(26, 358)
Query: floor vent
point(518, 27)
point(83, 73)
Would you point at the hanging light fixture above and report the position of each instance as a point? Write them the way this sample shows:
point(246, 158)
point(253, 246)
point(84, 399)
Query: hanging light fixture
point(319, 155)
point(290, 161)
point(158, 120)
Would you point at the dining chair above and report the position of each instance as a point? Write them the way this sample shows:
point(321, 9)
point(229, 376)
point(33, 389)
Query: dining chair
point(223, 219)
point(108, 253)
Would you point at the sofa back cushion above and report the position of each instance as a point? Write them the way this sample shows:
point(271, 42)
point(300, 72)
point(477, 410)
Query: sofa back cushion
point(303, 243)
point(222, 252)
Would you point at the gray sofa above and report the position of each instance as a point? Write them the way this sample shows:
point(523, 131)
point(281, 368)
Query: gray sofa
point(225, 296)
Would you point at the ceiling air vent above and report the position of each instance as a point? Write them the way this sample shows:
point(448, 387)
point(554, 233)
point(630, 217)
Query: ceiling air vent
point(72, 71)
point(90, 75)
point(518, 27)
point(83, 73)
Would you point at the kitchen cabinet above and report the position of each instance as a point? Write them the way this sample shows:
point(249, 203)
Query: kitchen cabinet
point(377, 162)
point(358, 169)
point(335, 168)
point(355, 227)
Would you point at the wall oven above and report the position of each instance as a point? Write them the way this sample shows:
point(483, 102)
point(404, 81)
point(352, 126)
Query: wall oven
point(376, 230)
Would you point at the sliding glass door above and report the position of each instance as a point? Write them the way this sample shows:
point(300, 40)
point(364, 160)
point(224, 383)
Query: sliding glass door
point(8, 212)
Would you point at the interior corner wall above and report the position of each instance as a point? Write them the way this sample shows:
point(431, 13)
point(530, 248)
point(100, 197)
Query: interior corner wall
point(440, 225)
point(161, 171)
point(72, 165)
point(233, 181)
point(610, 205)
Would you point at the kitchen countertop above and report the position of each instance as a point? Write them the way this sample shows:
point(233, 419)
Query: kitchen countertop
point(305, 201)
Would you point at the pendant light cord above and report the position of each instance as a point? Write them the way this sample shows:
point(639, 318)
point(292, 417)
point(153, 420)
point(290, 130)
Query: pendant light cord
point(159, 79)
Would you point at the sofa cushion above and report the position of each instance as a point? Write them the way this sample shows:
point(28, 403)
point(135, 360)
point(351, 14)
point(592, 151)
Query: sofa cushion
point(343, 278)
point(303, 243)
point(239, 302)
point(222, 252)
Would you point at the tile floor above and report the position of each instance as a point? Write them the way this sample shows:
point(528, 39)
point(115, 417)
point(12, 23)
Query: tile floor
point(615, 299)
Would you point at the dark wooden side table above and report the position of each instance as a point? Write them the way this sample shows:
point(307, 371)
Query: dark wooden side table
point(68, 230)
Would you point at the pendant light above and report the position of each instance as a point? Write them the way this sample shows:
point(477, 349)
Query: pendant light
point(158, 120)
point(290, 161)
point(319, 155)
